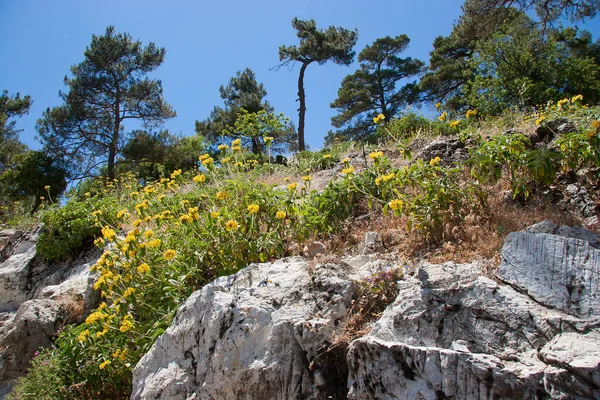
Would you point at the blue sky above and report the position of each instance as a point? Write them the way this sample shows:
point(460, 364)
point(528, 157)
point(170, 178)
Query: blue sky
point(206, 43)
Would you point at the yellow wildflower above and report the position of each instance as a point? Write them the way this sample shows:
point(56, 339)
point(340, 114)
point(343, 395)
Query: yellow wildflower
point(186, 219)
point(281, 214)
point(108, 234)
point(143, 268)
point(268, 140)
point(83, 335)
point(169, 254)
point(253, 208)
point(236, 148)
point(215, 214)
point(378, 118)
point(346, 160)
point(292, 186)
point(222, 195)
point(595, 124)
point(579, 97)
point(326, 156)
point(395, 204)
point(128, 292)
point(104, 364)
point(148, 233)
point(199, 178)
point(137, 222)
point(236, 142)
point(376, 155)
point(443, 116)
point(154, 243)
point(306, 178)
point(203, 157)
point(434, 161)
point(47, 187)
point(438, 105)
point(348, 171)
point(231, 225)
point(127, 323)
point(208, 161)
point(455, 123)
point(223, 147)
point(471, 113)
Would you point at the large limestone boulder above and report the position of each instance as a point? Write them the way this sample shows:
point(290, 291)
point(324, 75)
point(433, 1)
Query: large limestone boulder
point(34, 326)
point(557, 266)
point(259, 334)
point(14, 275)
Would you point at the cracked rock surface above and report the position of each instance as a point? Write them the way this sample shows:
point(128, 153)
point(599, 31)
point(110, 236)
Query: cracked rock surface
point(266, 332)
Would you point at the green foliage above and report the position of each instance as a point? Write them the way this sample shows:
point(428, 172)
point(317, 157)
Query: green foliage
point(108, 88)
point(10, 146)
point(518, 67)
point(257, 126)
point(44, 381)
point(320, 46)
point(34, 175)
point(68, 228)
point(372, 89)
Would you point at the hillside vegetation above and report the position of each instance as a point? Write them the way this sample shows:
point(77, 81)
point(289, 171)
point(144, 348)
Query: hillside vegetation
point(164, 239)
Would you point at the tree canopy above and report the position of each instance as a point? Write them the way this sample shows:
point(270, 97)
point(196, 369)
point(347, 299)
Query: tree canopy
point(320, 46)
point(10, 146)
point(243, 95)
point(107, 89)
point(372, 89)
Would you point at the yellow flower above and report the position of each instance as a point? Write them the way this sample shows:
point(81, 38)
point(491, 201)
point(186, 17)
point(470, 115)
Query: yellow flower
point(389, 176)
point(215, 214)
point(306, 178)
point(104, 364)
point(443, 116)
point(395, 204)
point(83, 335)
point(346, 160)
point(199, 178)
point(121, 213)
point(169, 254)
point(222, 195)
point(253, 208)
point(455, 123)
point(87, 194)
point(108, 234)
point(286, 179)
point(128, 292)
point(579, 97)
point(186, 219)
point(236, 142)
point(595, 124)
point(231, 225)
point(434, 161)
point(47, 187)
point(471, 113)
point(348, 171)
point(326, 156)
point(127, 323)
point(539, 121)
point(560, 103)
point(143, 268)
point(376, 155)
point(268, 140)
point(378, 118)
point(175, 173)
point(438, 105)
point(154, 243)
point(207, 161)
point(236, 148)
point(281, 214)
point(292, 186)
point(223, 147)
point(238, 164)
point(148, 233)
point(202, 157)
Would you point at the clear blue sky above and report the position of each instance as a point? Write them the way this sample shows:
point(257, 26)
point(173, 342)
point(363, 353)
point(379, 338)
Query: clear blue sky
point(206, 43)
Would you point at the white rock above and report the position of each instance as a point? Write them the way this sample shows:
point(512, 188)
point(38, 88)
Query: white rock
point(557, 266)
point(14, 273)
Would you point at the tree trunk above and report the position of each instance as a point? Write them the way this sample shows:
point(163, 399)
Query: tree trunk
point(256, 146)
point(302, 109)
point(112, 148)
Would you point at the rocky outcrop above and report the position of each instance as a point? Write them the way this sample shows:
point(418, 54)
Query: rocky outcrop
point(262, 333)
point(37, 299)
point(269, 331)
point(557, 266)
